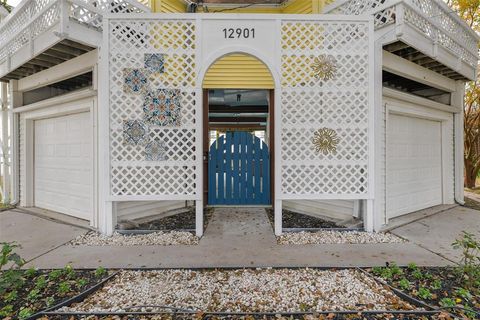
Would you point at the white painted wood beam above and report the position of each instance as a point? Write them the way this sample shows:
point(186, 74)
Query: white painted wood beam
point(387, 92)
point(407, 69)
point(65, 70)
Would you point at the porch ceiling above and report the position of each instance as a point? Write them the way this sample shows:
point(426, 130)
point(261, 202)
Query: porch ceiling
point(407, 52)
point(58, 53)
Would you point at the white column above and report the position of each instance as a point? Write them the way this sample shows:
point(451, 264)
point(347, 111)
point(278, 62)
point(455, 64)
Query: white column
point(368, 217)
point(15, 100)
point(107, 218)
point(199, 218)
point(457, 101)
point(278, 217)
point(5, 144)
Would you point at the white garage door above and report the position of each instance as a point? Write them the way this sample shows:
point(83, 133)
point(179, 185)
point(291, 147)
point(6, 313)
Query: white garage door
point(63, 165)
point(414, 164)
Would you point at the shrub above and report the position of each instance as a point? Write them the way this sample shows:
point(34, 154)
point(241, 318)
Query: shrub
point(470, 261)
point(424, 293)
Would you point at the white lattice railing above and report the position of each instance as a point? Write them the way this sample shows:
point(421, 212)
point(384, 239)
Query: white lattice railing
point(33, 17)
point(433, 18)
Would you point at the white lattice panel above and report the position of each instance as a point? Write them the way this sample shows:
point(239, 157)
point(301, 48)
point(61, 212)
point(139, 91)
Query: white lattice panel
point(131, 174)
point(309, 104)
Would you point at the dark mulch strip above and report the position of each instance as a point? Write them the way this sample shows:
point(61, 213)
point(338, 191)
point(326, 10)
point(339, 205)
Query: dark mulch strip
point(177, 222)
point(297, 220)
point(472, 204)
point(26, 292)
point(382, 316)
point(437, 286)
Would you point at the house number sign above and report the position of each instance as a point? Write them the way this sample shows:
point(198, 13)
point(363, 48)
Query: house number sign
point(239, 33)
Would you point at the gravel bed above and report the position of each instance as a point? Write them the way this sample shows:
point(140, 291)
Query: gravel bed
point(337, 237)
point(246, 290)
point(159, 238)
point(181, 221)
point(297, 220)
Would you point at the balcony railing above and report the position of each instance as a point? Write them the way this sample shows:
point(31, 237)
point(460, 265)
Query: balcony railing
point(31, 18)
point(432, 18)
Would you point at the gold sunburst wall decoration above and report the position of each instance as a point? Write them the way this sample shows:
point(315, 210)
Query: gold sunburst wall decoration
point(324, 67)
point(325, 140)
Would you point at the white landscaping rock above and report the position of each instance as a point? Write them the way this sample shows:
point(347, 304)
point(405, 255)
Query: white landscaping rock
point(247, 290)
point(337, 237)
point(159, 238)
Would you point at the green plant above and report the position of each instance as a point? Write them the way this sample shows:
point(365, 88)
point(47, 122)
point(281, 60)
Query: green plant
point(395, 270)
point(100, 271)
point(6, 311)
point(49, 301)
point(8, 255)
point(69, 272)
point(30, 272)
point(377, 270)
point(424, 293)
point(436, 284)
point(25, 313)
point(41, 282)
point(463, 293)
point(33, 295)
point(404, 284)
point(81, 283)
point(11, 279)
point(470, 261)
point(63, 288)
point(417, 274)
point(447, 302)
point(412, 266)
point(11, 296)
point(55, 274)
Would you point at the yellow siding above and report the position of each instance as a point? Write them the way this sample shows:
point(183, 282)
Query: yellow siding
point(292, 7)
point(238, 71)
point(299, 7)
point(168, 6)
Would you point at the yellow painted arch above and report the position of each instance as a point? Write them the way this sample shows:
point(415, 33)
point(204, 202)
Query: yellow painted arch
point(238, 71)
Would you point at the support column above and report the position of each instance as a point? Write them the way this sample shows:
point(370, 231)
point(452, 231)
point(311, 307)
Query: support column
point(457, 101)
point(106, 215)
point(278, 217)
point(15, 100)
point(199, 218)
point(5, 144)
point(368, 218)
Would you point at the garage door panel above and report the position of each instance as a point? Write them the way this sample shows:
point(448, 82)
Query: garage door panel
point(414, 164)
point(63, 165)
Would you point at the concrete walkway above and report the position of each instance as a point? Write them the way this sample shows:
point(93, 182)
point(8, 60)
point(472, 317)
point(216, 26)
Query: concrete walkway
point(234, 238)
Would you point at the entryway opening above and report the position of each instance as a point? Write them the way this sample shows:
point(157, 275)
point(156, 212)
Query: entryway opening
point(239, 147)
point(238, 132)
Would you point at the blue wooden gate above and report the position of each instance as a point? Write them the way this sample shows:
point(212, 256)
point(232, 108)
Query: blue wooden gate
point(238, 170)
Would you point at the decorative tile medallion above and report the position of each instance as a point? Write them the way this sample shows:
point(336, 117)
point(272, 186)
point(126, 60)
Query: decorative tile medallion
point(134, 81)
point(135, 132)
point(162, 107)
point(325, 140)
point(154, 62)
point(155, 151)
point(324, 67)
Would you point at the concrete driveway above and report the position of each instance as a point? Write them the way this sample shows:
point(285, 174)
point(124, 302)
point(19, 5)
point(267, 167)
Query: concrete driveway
point(36, 235)
point(44, 245)
point(437, 233)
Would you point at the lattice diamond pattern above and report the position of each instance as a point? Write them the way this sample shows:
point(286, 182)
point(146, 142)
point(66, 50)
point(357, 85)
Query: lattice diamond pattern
point(316, 179)
point(131, 173)
point(340, 103)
